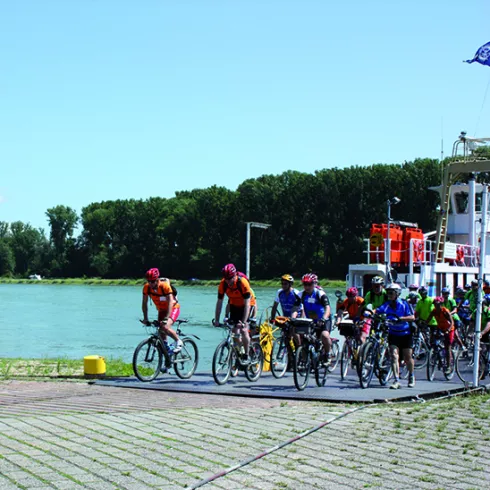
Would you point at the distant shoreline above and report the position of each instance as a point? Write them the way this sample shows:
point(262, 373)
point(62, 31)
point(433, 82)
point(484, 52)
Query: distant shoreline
point(328, 283)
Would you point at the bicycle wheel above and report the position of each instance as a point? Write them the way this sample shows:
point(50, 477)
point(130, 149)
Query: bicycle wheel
point(280, 358)
point(235, 367)
point(147, 359)
point(367, 358)
point(344, 360)
point(321, 368)
point(465, 364)
point(334, 356)
point(254, 369)
point(384, 369)
point(431, 364)
point(420, 353)
point(222, 359)
point(302, 367)
point(185, 361)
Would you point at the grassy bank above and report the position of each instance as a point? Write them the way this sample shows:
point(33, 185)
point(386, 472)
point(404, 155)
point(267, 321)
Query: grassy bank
point(56, 368)
point(329, 283)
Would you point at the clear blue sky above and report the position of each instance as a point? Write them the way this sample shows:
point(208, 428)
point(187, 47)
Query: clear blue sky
point(118, 99)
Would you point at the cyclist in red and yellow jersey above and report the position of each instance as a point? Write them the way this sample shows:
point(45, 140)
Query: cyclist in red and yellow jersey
point(241, 297)
point(165, 299)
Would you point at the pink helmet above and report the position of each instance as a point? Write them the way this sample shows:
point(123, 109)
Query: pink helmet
point(438, 299)
point(352, 292)
point(228, 271)
point(413, 287)
point(310, 278)
point(152, 274)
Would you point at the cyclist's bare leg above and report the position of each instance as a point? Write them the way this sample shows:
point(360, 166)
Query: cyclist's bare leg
point(166, 328)
point(245, 337)
point(326, 341)
point(394, 361)
point(407, 357)
point(362, 337)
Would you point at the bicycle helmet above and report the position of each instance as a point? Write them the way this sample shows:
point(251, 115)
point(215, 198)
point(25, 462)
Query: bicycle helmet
point(467, 285)
point(438, 300)
point(423, 290)
point(486, 282)
point(377, 280)
point(394, 287)
point(152, 274)
point(445, 291)
point(486, 299)
point(352, 292)
point(412, 295)
point(413, 287)
point(460, 291)
point(287, 278)
point(229, 271)
point(310, 277)
point(474, 282)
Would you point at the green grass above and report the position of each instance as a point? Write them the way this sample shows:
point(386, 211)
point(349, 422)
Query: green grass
point(57, 368)
point(97, 281)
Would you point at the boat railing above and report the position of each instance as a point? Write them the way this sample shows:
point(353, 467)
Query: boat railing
point(421, 252)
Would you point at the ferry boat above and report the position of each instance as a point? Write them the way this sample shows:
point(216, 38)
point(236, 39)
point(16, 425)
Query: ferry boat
point(449, 256)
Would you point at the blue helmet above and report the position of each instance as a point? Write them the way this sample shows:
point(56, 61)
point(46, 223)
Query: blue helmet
point(445, 291)
point(486, 299)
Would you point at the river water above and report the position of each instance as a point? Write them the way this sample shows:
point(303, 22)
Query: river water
point(73, 321)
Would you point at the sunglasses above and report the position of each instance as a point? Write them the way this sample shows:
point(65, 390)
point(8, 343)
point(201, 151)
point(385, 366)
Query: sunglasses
point(307, 284)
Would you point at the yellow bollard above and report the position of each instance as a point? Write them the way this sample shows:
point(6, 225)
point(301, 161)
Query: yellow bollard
point(266, 340)
point(94, 366)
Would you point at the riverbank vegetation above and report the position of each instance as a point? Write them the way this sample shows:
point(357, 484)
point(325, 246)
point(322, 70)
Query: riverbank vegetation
point(318, 223)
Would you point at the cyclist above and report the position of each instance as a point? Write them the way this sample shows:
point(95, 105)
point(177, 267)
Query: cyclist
point(316, 305)
point(413, 288)
point(354, 306)
point(288, 297)
point(164, 296)
point(486, 286)
point(377, 296)
point(445, 324)
point(399, 333)
point(485, 320)
point(450, 304)
point(240, 295)
point(472, 295)
point(424, 307)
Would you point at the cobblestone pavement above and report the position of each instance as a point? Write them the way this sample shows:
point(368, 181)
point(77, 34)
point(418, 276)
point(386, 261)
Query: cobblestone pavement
point(73, 435)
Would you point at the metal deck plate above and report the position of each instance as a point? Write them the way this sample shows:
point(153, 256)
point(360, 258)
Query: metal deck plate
point(267, 386)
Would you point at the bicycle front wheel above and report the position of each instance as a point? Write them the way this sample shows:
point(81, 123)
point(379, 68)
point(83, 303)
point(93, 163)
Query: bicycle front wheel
point(302, 367)
point(384, 368)
point(465, 364)
point(431, 364)
point(420, 353)
point(222, 362)
point(321, 368)
point(367, 360)
point(344, 360)
point(280, 357)
point(185, 361)
point(147, 360)
point(334, 355)
point(254, 369)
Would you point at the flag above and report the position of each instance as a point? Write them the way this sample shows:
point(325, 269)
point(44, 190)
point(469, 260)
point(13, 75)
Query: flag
point(482, 56)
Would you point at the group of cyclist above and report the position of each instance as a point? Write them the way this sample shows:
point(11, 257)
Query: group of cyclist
point(442, 312)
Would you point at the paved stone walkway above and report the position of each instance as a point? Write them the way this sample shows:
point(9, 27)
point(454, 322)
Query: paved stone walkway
point(73, 435)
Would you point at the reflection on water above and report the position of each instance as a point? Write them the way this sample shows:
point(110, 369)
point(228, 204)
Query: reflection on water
point(73, 321)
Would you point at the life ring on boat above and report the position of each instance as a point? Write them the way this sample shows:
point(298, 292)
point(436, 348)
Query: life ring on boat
point(418, 251)
point(460, 255)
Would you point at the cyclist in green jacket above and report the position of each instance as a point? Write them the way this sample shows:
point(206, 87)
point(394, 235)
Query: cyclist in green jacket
point(377, 295)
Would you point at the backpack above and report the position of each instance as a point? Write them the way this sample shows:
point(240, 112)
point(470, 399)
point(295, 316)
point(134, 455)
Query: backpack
point(238, 282)
point(172, 287)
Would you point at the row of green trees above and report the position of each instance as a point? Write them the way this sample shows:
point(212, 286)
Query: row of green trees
point(318, 222)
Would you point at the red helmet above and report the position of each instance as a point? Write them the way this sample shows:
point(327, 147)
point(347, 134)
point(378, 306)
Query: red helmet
point(310, 278)
point(352, 292)
point(152, 274)
point(228, 271)
point(438, 299)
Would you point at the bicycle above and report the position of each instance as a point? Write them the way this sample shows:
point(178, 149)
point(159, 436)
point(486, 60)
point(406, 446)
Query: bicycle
point(350, 350)
point(375, 357)
point(149, 354)
point(309, 356)
point(282, 349)
point(227, 358)
point(420, 348)
point(438, 357)
point(465, 362)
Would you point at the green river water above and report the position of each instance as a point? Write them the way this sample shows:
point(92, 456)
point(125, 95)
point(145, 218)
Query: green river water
point(72, 321)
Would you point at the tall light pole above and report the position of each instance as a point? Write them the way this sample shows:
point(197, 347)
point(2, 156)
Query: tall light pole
point(252, 224)
point(390, 202)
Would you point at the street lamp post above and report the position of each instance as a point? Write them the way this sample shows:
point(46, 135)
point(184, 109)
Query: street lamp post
point(252, 224)
point(390, 202)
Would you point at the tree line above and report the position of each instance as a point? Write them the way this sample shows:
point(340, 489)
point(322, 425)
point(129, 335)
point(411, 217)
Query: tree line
point(318, 223)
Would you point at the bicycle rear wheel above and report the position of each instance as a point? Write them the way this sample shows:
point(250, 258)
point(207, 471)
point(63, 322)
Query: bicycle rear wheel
point(147, 360)
point(302, 367)
point(431, 364)
point(384, 369)
point(344, 360)
point(280, 358)
point(185, 361)
point(420, 353)
point(334, 355)
point(254, 369)
point(367, 358)
point(222, 359)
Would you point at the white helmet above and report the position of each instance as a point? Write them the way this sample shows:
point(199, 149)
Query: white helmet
point(394, 287)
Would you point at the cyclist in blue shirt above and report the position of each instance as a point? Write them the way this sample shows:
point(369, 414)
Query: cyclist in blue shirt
point(399, 333)
point(288, 297)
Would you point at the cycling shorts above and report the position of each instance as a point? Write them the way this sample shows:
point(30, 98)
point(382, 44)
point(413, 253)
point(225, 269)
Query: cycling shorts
point(174, 314)
point(236, 313)
point(365, 327)
point(400, 341)
point(449, 338)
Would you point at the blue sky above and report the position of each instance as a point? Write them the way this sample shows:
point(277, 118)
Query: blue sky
point(119, 99)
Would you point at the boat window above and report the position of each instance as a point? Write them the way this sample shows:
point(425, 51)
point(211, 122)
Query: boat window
point(461, 199)
point(478, 199)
